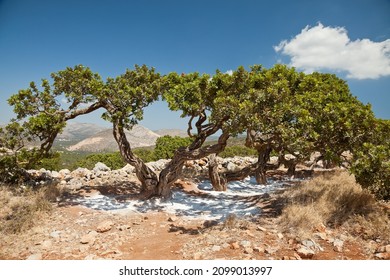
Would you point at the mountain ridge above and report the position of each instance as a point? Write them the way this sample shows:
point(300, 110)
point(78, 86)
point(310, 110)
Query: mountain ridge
point(138, 136)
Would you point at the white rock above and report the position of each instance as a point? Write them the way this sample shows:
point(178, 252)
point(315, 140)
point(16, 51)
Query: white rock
point(37, 256)
point(305, 253)
point(55, 175)
point(245, 243)
point(64, 172)
point(216, 248)
point(101, 167)
point(104, 226)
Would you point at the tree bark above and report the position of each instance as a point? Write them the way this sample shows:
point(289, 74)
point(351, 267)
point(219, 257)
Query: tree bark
point(218, 182)
point(147, 176)
point(263, 158)
point(174, 168)
point(290, 164)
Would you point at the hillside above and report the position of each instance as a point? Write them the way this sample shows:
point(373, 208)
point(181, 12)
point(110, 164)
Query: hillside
point(171, 132)
point(97, 215)
point(78, 131)
point(139, 136)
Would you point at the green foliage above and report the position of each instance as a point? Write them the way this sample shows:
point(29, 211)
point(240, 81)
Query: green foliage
point(14, 156)
point(237, 150)
point(112, 160)
point(330, 117)
point(371, 165)
point(146, 154)
point(291, 112)
point(51, 162)
point(126, 96)
point(167, 145)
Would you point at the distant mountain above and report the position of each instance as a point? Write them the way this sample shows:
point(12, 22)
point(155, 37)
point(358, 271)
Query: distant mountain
point(171, 132)
point(88, 137)
point(104, 140)
point(78, 131)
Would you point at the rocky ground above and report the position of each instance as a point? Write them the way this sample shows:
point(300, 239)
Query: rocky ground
point(76, 232)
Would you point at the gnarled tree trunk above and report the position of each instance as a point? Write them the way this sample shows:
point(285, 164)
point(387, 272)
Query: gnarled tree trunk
point(290, 164)
point(217, 181)
point(147, 176)
point(263, 158)
point(153, 185)
point(174, 168)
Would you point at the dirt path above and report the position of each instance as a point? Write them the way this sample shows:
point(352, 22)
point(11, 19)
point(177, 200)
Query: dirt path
point(75, 232)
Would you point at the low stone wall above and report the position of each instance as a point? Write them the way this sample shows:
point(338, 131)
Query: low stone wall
point(103, 175)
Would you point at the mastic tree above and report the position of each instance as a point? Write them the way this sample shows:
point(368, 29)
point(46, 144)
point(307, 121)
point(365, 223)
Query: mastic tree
point(371, 162)
point(279, 108)
point(267, 117)
point(167, 145)
point(210, 103)
point(40, 117)
point(333, 119)
point(295, 114)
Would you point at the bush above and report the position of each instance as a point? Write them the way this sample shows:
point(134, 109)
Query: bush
point(372, 170)
point(371, 165)
point(237, 150)
point(21, 209)
point(112, 160)
point(332, 201)
point(145, 154)
point(167, 145)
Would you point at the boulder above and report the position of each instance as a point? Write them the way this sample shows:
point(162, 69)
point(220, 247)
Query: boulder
point(129, 169)
point(89, 238)
point(37, 256)
point(305, 253)
point(101, 167)
point(104, 226)
point(81, 173)
point(158, 165)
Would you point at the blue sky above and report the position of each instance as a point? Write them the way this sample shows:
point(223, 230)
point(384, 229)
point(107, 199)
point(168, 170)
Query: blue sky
point(349, 38)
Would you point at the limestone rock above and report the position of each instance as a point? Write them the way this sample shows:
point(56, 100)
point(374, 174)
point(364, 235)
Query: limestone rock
point(383, 256)
point(36, 256)
point(55, 234)
point(305, 253)
point(384, 249)
point(245, 243)
point(338, 245)
point(197, 256)
point(101, 167)
point(104, 226)
point(158, 165)
point(216, 248)
point(258, 249)
point(88, 238)
point(129, 169)
point(234, 245)
point(270, 250)
point(248, 250)
point(80, 173)
point(261, 229)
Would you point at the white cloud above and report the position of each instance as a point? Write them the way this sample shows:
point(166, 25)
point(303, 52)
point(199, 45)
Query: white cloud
point(230, 72)
point(322, 47)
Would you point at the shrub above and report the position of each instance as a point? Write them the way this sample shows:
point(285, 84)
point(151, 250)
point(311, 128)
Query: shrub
point(330, 200)
point(167, 145)
point(21, 209)
point(371, 165)
point(237, 150)
point(372, 170)
point(112, 160)
point(146, 154)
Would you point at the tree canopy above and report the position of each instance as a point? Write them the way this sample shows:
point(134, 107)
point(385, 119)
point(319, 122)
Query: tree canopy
point(281, 110)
